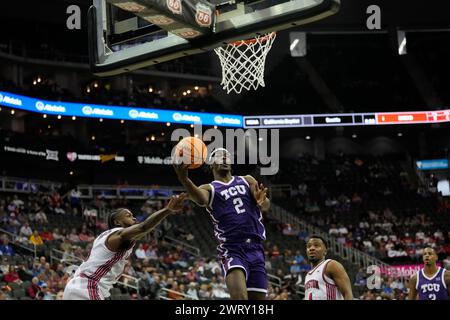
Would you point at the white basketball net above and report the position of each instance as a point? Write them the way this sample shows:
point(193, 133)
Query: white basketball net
point(243, 63)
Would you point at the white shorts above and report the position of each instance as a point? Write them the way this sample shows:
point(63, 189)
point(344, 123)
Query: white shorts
point(81, 288)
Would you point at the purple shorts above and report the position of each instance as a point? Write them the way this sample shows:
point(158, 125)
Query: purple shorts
point(250, 258)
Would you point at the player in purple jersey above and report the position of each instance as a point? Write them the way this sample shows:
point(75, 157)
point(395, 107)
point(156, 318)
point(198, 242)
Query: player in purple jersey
point(234, 204)
point(431, 282)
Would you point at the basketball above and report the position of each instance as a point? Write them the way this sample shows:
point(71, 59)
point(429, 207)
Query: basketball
point(191, 150)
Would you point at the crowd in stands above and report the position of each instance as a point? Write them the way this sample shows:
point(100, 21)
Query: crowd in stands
point(103, 93)
point(381, 211)
point(173, 273)
point(380, 237)
point(165, 271)
point(388, 288)
point(354, 67)
point(360, 81)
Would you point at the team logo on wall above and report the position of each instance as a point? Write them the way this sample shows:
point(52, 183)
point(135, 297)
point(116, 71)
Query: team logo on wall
point(218, 119)
point(159, 20)
point(186, 33)
point(203, 15)
point(133, 113)
point(177, 116)
point(40, 105)
point(71, 156)
point(130, 6)
point(174, 6)
point(52, 155)
point(87, 110)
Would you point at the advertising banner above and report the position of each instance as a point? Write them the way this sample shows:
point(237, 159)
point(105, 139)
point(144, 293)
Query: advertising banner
point(116, 112)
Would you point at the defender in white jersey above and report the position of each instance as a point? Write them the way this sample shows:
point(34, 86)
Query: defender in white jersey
point(95, 277)
point(327, 280)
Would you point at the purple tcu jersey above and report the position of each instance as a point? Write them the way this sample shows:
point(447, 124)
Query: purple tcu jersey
point(433, 288)
point(234, 211)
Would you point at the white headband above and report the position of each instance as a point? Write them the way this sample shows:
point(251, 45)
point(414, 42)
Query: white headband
point(215, 151)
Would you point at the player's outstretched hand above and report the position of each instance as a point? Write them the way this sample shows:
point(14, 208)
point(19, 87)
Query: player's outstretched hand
point(260, 193)
point(181, 170)
point(176, 202)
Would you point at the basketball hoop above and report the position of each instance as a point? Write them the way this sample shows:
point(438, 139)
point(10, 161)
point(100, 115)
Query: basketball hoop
point(243, 62)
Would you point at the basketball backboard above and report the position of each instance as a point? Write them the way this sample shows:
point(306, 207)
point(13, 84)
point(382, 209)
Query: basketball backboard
point(126, 35)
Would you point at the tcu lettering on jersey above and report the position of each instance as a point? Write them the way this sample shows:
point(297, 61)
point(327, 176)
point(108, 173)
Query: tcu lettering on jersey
point(233, 191)
point(429, 287)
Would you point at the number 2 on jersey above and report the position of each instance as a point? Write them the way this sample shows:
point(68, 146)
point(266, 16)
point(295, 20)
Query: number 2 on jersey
point(238, 204)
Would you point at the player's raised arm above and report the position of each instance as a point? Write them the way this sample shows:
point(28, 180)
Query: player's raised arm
point(259, 193)
point(199, 195)
point(412, 295)
point(340, 277)
point(116, 240)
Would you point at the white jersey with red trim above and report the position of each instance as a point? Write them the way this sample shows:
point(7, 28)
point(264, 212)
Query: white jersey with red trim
point(101, 270)
point(318, 286)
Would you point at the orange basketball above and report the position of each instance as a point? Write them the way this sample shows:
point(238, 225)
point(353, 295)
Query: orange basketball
point(192, 151)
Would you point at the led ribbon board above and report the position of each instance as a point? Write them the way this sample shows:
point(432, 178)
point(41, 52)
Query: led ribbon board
point(225, 120)
point(433, 164)
point(115, 112)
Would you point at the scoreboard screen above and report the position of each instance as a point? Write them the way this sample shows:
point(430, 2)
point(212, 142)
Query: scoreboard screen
point(346, 119)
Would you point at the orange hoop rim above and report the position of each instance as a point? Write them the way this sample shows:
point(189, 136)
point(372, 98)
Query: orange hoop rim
point(254, 40)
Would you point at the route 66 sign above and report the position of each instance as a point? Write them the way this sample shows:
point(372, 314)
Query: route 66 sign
point(186, 33)
point(130, 6)
point(174, 6)
point(159, 20)
point(203, 15)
